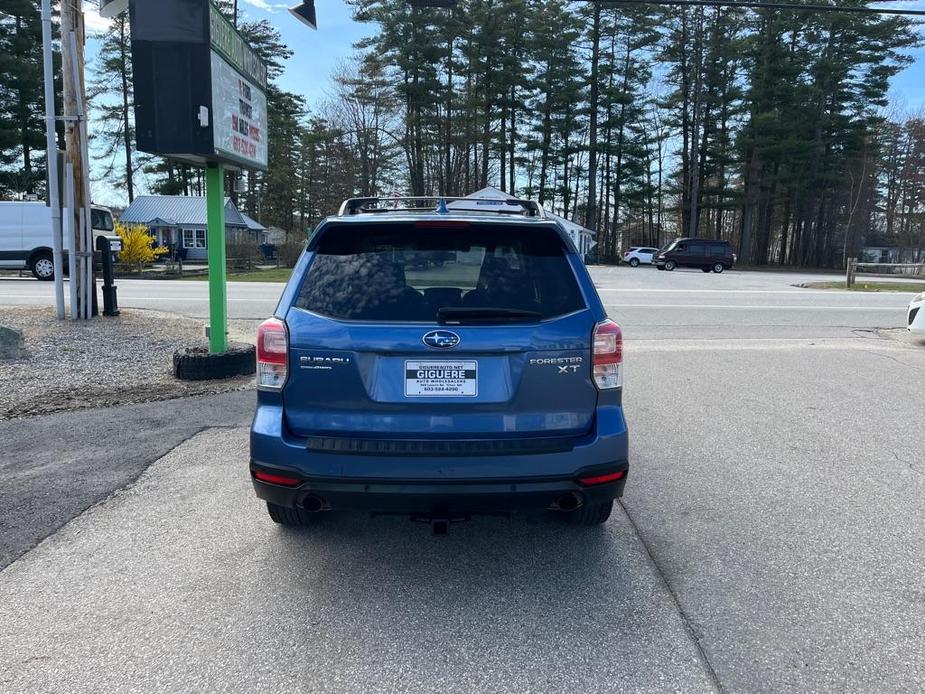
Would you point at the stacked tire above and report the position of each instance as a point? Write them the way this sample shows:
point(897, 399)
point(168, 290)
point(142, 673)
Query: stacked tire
point(198, 364)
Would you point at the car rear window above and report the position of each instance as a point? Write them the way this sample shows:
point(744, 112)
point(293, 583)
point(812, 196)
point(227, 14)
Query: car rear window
point(408, 273)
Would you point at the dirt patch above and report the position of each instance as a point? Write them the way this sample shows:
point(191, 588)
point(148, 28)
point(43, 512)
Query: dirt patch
point(71, 365)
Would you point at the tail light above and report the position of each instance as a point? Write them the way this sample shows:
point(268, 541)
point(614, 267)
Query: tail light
point(272, 354)
point(607, 359)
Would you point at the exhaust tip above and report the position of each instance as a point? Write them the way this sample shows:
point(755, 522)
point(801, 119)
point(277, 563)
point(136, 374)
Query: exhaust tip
point(313, 503)
point(568, 502)
point(440, 526)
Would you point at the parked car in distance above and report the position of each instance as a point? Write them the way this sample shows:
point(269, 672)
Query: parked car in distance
point(26, 239)
point(637, 256)
point(706, 254)
point(915, 318)
point(486, 380)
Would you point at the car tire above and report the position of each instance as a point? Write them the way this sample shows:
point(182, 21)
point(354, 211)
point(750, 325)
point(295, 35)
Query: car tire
point(42, 266)
point(704, 269)
point(718, 268)
point(290, 517)
point(591, 514)
point(670, 265)
point(634, 262)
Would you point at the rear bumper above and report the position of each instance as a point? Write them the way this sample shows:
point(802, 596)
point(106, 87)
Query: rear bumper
point(441, 498)
point(428, 483)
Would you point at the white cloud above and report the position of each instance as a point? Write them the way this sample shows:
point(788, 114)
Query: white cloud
point(266, 6)
point(92, 20)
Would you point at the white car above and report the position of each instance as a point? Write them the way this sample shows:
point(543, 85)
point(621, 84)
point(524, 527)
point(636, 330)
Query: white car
point(916, 316)
point(639, 256)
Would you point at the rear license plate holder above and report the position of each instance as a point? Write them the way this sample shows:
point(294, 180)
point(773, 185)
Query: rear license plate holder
point(431, 378)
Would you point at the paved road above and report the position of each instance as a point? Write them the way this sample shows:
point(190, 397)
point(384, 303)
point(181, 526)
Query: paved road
point(640, 298)
point(181, 584)
point(770, 538)
point(57, 466)
point(246, 300)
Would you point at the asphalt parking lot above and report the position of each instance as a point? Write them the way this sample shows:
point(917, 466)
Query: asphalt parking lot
point(770, 538)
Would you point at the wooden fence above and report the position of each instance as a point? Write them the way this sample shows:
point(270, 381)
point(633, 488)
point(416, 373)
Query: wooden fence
point(912, 270)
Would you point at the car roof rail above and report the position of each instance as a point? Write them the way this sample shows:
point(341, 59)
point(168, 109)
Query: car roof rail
point(435, 204)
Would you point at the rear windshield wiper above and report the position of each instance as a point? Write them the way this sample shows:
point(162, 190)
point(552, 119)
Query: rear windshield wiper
point(456, 315)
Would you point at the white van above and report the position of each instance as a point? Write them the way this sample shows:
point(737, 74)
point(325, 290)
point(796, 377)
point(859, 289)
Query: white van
point(25, 236)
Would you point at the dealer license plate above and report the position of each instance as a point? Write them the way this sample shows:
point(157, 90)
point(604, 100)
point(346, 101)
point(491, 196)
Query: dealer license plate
point(441, 379)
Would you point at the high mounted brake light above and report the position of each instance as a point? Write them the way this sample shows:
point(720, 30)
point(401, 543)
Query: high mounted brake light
point(607, 356)
point(272, 354)
point(441, 224)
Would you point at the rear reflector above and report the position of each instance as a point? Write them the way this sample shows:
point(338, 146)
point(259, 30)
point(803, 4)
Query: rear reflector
point(272, 354)
point(276, 479)
point(602, 479)
point(607, 359)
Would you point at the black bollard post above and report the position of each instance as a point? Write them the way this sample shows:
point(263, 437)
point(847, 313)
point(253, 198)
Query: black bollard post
point(110, 302)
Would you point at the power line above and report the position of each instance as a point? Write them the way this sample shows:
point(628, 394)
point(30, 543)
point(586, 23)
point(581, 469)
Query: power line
point(755, 4)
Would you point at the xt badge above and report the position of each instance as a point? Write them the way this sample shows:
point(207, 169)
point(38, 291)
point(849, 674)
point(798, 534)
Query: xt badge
point(565, 365)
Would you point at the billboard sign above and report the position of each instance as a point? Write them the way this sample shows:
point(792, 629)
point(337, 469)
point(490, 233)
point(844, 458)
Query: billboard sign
point(239, 114)
point(200, 89)
point(226, 40)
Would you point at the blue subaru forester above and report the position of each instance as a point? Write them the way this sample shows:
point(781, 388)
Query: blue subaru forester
point(440, 363)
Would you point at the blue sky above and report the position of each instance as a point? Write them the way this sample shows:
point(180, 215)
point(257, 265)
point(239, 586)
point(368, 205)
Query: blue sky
point(315, 55)
point(318, 53)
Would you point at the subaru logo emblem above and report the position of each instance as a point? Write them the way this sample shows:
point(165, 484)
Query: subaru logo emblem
point(441, 339)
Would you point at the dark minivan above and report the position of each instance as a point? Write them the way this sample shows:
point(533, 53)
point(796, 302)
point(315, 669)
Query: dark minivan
point(706, 254)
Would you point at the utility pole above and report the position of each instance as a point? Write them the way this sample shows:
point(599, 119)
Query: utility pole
point(51, 158)
point(75, 133)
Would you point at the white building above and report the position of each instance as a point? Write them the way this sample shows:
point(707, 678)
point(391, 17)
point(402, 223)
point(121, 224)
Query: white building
point(494, 198)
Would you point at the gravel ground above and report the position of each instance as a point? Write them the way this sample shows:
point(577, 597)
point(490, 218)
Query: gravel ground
point(74, 365)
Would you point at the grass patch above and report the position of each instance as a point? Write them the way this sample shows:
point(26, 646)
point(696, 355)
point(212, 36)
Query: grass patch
point(280, 274)
point(861, 286)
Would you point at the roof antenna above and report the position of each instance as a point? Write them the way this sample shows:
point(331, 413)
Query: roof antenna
point(441, 207)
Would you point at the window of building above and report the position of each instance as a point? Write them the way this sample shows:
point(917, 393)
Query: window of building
point(194, 238)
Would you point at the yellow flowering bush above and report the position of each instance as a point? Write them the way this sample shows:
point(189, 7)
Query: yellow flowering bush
point(138, 247)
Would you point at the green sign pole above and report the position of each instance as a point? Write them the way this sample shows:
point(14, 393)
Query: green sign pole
point(215, 218)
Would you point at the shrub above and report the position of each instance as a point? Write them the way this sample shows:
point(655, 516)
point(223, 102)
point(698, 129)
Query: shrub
point(242, 249)
point(138, 247)
point(289, 252)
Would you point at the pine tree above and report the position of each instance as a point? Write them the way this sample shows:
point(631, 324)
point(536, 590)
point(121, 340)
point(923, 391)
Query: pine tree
point(22, 101)
point(111, 96)
point(365, 109)
point(748, 125)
